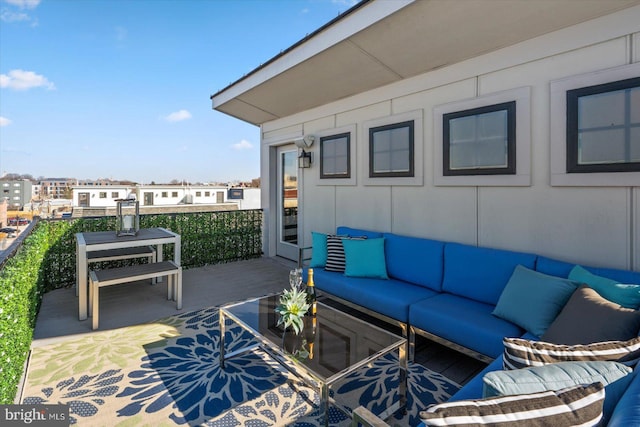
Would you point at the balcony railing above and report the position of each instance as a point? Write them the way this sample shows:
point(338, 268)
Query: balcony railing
point(45, 259)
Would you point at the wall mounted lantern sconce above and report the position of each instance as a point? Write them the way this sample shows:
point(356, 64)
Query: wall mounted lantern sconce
point(304, 160)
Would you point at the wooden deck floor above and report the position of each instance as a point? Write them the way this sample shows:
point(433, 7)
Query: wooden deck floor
point(203, 287)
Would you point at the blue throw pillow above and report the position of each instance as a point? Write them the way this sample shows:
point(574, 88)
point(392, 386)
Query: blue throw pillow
point(627, 296)
point(365, 258)
point(319, 250)
point(532, 300)
point(556, 376)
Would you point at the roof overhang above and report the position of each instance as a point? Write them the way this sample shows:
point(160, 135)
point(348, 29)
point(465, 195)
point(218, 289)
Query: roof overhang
point(380, 42)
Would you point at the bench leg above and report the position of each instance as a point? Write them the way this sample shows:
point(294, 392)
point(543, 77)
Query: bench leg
point(170, 287)
point(94, 318)
point(178, 287)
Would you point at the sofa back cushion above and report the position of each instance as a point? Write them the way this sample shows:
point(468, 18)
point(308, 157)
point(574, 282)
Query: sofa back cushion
point(562, 269)
point(356, 232)
point(480, 273)
point(415, 260)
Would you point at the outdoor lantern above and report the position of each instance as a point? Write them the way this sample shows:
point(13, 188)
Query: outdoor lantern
point(304, 160)
point(127, 217)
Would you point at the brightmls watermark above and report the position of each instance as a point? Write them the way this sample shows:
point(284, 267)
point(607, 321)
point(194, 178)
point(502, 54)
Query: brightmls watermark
point(34, 415)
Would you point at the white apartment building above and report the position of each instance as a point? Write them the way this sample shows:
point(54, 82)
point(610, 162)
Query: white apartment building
point(91, 196)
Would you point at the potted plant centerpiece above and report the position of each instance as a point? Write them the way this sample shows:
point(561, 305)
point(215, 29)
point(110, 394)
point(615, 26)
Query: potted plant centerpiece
point(292, 309)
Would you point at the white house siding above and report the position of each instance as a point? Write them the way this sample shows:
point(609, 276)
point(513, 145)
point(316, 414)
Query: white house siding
point(590, 225)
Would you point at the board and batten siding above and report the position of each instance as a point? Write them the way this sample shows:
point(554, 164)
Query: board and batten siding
point(597, 226)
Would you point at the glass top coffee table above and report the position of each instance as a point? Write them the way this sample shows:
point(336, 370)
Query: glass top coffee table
point(331, 346)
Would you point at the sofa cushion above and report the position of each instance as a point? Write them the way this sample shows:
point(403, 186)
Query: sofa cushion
point(578, 405)
point(522, 353)
point(336, 260)
point(627, 412)
point(614, 376)
point(589, 318)
point(480, 273)
point(415, 260)
point(532, 300)
point(627, 295)
point(389, 297)
point(348, 231)
point(558, 268)
point(319, 250)
point(463, 321)
point(365, 258)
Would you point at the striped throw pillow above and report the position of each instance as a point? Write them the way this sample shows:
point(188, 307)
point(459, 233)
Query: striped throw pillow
point(522, 353)
point(335, 252)
point(579, 405)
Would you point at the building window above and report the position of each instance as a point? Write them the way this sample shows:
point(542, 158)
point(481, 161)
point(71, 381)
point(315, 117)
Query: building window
point(103, 195)
point(115, 195)
point(335, 156)
point(603, 127)
point(480, 141)
point(594, 128)
point(165, 194)
point(174, 194)
point(207, 194)
point(391, 150)
point(235, 194)
point(198, 193)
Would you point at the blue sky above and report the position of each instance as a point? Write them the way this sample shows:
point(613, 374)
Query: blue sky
point(120, 88)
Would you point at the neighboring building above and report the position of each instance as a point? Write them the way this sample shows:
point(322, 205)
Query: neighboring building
point(511, 125)
point(3, 213)
point(56, 188)
point(17, 193)
point(165, 195)
point(90, 196)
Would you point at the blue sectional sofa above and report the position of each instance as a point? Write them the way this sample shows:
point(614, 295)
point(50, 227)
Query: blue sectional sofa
point(448, 292)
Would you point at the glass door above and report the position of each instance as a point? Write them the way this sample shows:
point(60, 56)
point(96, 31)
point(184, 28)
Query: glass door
point(287, 226)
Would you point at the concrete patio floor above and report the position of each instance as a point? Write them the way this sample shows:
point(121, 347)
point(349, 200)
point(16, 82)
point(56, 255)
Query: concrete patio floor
point(141, 302)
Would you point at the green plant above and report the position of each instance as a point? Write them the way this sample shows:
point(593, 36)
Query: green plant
point(293, 306)
point(47, 260)
point(20, 296)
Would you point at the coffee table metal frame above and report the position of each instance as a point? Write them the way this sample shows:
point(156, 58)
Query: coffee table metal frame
point(321, 384)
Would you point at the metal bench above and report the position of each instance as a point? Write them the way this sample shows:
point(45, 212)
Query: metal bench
point(118, 254)
point(132, 273)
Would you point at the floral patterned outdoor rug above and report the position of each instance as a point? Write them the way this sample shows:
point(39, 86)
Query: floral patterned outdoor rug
point(167, 373)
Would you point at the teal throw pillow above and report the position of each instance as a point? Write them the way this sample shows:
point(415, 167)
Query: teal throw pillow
point(627, 296)
point(532, 300)
point(556, 376)
point(365, 258)
point(319, 250)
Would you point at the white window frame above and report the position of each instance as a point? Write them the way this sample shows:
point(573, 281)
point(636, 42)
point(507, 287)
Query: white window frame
point(418, 150)
point(352, 180)
point(558, 130)
point(522, 177)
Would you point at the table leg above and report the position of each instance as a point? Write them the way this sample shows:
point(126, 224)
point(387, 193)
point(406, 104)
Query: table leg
point(222, 323)
point(177, 250)
point(159, 258)
point(402, 387)
point(324, 403)
point(81, 277)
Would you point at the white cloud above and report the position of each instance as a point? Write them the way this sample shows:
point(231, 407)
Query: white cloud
point(23, 80)
point(4, 121)
point(242, 145)
point(178, 116)
point(10, 16)
point(14, 13)
point(24, 4)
